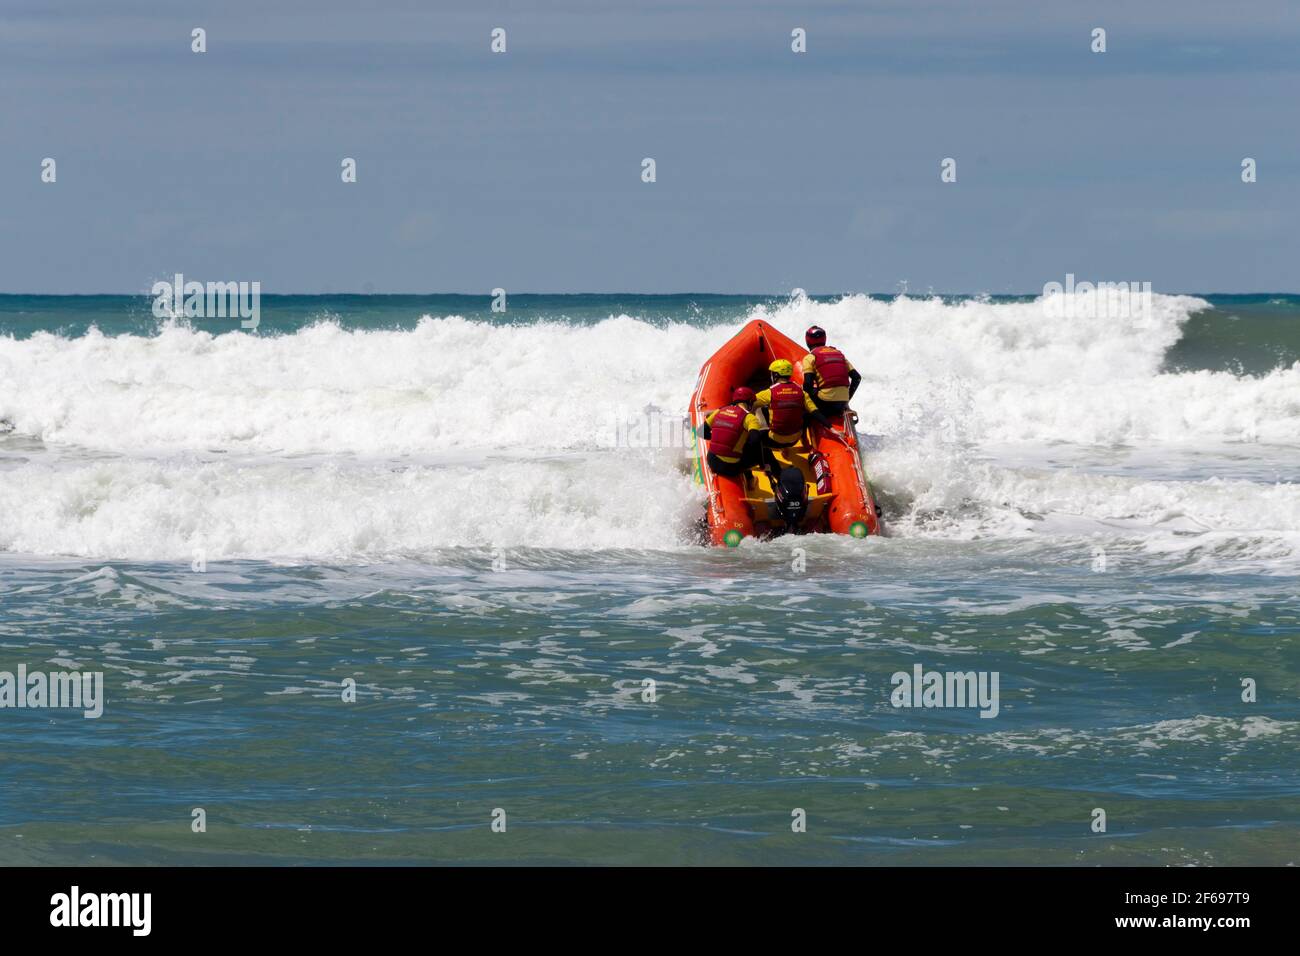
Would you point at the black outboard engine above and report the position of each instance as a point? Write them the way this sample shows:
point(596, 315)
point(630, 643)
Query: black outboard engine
point(791, 497)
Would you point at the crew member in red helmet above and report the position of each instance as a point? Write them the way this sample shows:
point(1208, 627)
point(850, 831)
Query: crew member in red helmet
point(734, 434)
point(827, 375)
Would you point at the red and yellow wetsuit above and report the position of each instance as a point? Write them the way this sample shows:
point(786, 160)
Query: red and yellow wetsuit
point(787, 403)
point(831, 373)
point(729, 429)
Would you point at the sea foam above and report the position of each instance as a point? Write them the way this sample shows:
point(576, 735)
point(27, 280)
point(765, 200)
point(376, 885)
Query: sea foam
point(458, 433)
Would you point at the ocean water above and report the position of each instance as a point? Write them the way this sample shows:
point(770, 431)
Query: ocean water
point(487, 522)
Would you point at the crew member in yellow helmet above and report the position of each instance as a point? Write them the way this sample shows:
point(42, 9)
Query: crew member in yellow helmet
point(787, 406)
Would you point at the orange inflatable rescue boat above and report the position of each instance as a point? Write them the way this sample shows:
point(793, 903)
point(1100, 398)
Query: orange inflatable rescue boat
point(837, 496)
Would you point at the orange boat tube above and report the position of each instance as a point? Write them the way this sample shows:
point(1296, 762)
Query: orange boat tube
point(739, 508)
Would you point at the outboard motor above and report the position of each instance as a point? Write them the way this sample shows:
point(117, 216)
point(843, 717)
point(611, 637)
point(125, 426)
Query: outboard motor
point(791, 497)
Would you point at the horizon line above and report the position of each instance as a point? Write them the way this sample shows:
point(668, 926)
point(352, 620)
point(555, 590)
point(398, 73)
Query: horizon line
point(733, 295)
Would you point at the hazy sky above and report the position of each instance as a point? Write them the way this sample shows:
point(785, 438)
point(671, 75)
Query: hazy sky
point(775, 169)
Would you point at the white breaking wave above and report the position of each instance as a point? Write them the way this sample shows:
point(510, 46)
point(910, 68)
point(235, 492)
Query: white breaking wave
point(171, 509)
point(980, 370)
point(448, 384)
point(336, 443)
point(1016, 372)
point(946, 495)
point(167, 509)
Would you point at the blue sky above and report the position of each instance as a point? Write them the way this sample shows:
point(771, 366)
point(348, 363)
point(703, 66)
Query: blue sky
point(775, 170)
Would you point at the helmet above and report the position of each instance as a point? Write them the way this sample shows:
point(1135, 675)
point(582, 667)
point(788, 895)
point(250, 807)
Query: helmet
point(815, 337)
point(742, 394)
point(782, 367)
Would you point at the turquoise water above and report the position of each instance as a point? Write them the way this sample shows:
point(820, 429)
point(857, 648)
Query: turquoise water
point(443, 505)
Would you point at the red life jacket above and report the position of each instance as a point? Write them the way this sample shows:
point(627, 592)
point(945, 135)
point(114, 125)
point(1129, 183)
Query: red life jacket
point(831, 366)
point(785, 413)
point(727, 430)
